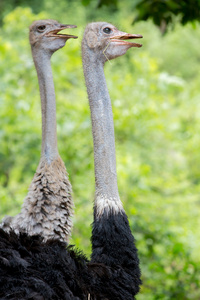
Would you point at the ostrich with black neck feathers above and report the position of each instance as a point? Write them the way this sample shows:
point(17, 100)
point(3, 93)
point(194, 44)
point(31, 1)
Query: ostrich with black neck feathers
point(112, 241)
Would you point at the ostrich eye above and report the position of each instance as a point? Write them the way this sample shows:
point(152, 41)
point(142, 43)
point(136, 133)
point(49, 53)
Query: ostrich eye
point(41, 28)
point(107, 30)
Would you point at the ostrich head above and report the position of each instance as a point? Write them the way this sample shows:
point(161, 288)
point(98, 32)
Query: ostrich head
point(44, 34)
point(107, 41)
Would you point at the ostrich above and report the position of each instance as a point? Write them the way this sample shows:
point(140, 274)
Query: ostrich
point(32, 268)
point(48, 206)
point(112, 241)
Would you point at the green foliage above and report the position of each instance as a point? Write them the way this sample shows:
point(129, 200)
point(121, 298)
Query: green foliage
point(155, 97)
point(8, 5)
point(165, 12)
point(162, 12)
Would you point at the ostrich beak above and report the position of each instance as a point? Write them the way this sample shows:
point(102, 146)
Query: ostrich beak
point(54, 33)
point(123, 36)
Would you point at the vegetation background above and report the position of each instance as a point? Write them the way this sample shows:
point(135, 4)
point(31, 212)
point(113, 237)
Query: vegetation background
point(155, 97)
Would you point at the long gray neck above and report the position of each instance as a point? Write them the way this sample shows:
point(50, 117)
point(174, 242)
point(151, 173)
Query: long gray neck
point(47, 93)
point(102, 126)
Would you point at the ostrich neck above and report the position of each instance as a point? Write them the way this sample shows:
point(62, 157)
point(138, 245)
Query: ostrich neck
point(102, 127)
point(48, 104)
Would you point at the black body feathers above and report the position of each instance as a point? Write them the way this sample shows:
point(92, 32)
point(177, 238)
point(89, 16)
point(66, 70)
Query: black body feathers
point(36, 270)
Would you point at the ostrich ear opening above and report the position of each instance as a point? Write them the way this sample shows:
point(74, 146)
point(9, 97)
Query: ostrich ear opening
point(91, 39)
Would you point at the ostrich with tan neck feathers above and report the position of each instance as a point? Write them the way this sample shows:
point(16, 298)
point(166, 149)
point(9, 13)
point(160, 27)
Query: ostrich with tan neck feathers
point(48, 206)
point(31, 268)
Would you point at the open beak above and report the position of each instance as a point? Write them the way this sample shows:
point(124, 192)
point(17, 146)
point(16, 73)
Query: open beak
point(121, 39)
point(55, 32)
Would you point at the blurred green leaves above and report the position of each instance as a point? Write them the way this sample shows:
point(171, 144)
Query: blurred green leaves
point(163, 12)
